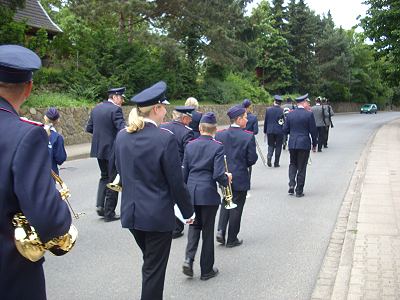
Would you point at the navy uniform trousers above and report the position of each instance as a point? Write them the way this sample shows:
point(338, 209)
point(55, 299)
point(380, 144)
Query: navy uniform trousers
point(298, 168)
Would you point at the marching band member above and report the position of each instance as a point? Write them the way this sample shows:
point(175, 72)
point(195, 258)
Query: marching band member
point(203, 167)
point(273, 129)
point(240, 149)
point(26, 184)
point(148, 162)
point(196, 116)
point(300, 124)
point(252, 122)
point(106, 119)
point(183, 134)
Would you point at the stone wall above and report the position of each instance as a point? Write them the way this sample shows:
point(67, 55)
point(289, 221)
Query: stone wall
point(73, 120)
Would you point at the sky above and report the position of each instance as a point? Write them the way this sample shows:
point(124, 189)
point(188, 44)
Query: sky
point(344, 12)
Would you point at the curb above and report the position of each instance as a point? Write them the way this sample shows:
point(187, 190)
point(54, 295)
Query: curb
point(334, 276)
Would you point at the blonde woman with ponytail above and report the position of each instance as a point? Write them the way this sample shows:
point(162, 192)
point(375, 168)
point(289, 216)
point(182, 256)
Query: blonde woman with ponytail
point(148, 162)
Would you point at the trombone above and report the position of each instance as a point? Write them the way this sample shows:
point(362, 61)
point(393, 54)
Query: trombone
point(227, 191)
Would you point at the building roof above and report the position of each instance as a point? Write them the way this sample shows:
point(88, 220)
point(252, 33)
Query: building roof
point(35, 16)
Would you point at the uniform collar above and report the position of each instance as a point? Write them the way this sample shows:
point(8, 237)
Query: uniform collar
point(147, 120)
point(235, 126)
point(300, 106)
point(7, 106)
point(205, 137)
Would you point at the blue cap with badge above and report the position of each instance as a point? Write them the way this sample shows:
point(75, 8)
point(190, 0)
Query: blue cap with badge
point(302, 98)
point(152, 95)
point(17, 64)
point(187, 110)
point(278, 98)
point(52, 114)
point(208, 118)
point(117, 91)
point(246, 103)
point(236, 111)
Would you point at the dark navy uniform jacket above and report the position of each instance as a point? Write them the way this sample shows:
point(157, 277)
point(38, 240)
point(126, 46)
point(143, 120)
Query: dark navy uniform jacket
point(26, 186)
point(203, 166)
point(151, 175)
point(56, 150)
point(106, 119)
point(240, 150)
point(252, 123)
point(182, 133)
point(300, 124)
point(272, 115)
point(196, 117)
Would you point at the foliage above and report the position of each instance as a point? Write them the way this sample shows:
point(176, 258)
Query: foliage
point(47, 99)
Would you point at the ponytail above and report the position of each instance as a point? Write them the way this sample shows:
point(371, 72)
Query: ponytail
point(136, 118)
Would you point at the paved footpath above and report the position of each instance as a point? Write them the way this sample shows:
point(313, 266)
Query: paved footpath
point(363, 257)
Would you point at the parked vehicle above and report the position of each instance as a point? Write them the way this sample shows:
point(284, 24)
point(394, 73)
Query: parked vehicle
point(369, 109)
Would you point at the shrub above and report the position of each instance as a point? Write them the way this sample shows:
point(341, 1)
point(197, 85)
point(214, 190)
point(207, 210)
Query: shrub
point(48, 99)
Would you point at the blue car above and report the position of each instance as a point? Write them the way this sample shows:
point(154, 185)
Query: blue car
point(369, 109)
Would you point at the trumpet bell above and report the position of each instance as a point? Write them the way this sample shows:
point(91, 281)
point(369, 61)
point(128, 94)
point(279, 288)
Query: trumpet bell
point(116, 184)
point(230, 205)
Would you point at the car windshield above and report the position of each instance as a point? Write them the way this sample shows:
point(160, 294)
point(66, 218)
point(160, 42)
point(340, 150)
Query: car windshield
point(366, 105)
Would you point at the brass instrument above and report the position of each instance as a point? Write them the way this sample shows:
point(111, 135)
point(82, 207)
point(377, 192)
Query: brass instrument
point(116, 184)
point(260, 152)
point(227, 191)
point(27, 240)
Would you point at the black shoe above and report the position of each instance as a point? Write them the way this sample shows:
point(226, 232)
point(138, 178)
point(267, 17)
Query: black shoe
point(284, 147)
point(187, 267)
point(277, 165)
point(234, 243)
point(325, 146)
point(269, 164)
point(176, 235)
point(209, 275)
point(100, 211)
point(291, 190)
point(319, 150)
point(299, 195)
point(113, 218)
point(220, 237)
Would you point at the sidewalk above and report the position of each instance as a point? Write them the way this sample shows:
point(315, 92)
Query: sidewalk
point(363, 257)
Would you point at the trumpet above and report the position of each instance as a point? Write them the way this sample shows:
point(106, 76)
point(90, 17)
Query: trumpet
point(116, 184)
point(28, 242)
point(227, 191)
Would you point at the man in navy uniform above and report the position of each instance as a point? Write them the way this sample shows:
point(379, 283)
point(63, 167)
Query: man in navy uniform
point(240, 150)
point(273, 129)
point(203, 166)
point(148, 162)
point(196, 116)
point(300, 124)
point(252, 122)
point(183, 133)
point(105, 121)
point(26, 184)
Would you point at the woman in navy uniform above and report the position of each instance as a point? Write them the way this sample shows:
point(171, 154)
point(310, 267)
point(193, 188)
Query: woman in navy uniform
point(56, 141)
point(252, 122)
point(183, 134)
point(26, 184)
point(196, 116)
point(203, 166)
point(147, 160)
point(300, 125)
point(106, 119)
point(273, 129)
point(240, 150)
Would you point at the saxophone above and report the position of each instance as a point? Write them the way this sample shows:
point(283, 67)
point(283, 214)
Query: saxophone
point(27, 240)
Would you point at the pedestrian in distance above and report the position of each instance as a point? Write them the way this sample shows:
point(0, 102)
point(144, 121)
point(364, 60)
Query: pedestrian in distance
point(320, 115)
point(26, 185)
point(328, 120)
point(148, 162)
point(300, 125)
point(240, 150)
point(182, 116)
point(203, 167)
point(57, 152)
point(105, 121)
point(273, 130)
point(252, 122)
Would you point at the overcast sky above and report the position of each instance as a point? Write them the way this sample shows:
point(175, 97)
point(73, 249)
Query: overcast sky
point(344, 12)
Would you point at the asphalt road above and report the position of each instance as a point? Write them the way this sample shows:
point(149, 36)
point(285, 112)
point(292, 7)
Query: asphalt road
point(285, 238)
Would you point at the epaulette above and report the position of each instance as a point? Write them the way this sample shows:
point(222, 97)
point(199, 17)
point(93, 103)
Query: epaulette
point(167, 130)
point(217, 141)
point(187, 127)
point(23, 119)
point(248, 131)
